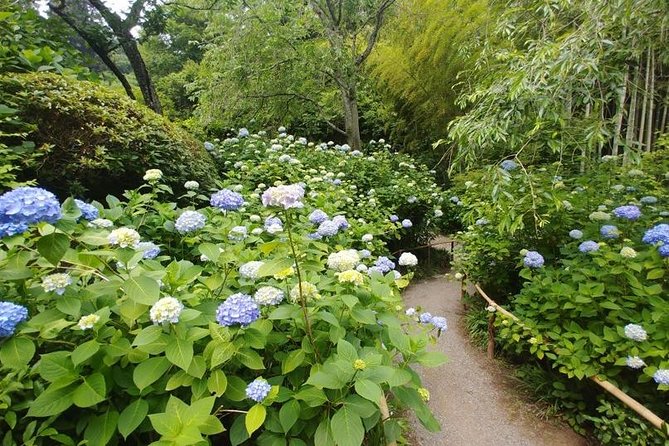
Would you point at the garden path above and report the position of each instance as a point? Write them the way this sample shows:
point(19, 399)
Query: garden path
point(472, 396)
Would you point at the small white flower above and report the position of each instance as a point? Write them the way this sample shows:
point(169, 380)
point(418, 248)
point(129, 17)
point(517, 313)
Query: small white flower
point(88, 321)
point(167, 309)
point(634, 362)
point(100, 223)
point(635, 332)
point(191, 185)
point(491, 308)
point(124, 237)
point(367, 238)
point(153, 175)
point(459, 276)
point(56, 282)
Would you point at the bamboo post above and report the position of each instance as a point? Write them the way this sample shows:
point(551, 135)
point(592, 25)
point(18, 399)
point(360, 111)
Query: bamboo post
point(627, 400)
point(385, 414)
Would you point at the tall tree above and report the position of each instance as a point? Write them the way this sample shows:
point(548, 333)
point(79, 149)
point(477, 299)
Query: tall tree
point(104, 31)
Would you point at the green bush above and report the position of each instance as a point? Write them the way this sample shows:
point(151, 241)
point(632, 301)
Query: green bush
point(100, 142)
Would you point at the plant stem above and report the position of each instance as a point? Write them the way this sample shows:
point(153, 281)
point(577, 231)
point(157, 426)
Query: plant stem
point(303, 300)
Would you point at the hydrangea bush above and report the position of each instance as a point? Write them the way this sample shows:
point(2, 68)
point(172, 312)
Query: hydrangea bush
point(151, 325)
point(585, 263)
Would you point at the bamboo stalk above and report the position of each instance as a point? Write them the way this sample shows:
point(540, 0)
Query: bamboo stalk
point(620, 114)
point(631, 117)
point(385, 414)
point(642, 124)
point(651, 103)
point(627, 400)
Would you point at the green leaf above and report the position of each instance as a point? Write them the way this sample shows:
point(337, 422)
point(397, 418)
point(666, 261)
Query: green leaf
point(142, 290)
point(217, 383)
point(364, 315)
point(101, 429)
point(53, 247)
point(149, 371)
point(69, 305)
point(399, 339)
point(364, 408)
point(348, 427)
point(655, 274)
point(431, 359)
point(91, 391)
point(346, 351)
point(210, 250)
point(236, 390)
point(180, 353)
point(51, 402)
point(132, 416)
point(368, 389)
point(16, 352)
point(56, 366)
point(84, 351)
point(222, 353)
point(289, 414)
point(292, 361)
point(255, 418)
point(250, 358)
point(312, 396)
point(148, 335)
point(274, 266)
point(323, 435)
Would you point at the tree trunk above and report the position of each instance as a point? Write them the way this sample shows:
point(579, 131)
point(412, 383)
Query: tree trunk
point(651, 104)
point(631, 117)
point(646, 87)
point(351, 117)
point(620, 113)
point(141, 73)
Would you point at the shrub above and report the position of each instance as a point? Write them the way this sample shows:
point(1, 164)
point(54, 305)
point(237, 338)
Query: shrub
point(99, 142)
point(241, 322)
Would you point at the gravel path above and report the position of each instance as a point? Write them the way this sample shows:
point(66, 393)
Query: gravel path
point(473, 397)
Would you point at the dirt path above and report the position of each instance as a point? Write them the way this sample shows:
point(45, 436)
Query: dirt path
point(473, 397)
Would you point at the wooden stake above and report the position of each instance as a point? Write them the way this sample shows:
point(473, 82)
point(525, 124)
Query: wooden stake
point(491, 335)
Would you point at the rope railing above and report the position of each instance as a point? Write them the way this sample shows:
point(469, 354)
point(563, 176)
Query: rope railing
point(611, 388)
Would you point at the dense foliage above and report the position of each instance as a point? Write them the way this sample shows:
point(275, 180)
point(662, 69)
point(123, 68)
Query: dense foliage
point(99, 142)
point(590, 254)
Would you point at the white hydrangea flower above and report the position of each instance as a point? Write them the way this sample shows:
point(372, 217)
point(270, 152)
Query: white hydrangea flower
point(459, 276)
point(628, 253)
point(634, 362)
point(124, 237)
point(367, 238)
point(309, 291)
point(56, 282)
point(268, 295)
point(191, 185)
point(635, 332)
point(88, 321)
point(100, 223)
point(167, 309)
point(153, 175)
point(408, 259)
point(343, 260)
point(249, 270)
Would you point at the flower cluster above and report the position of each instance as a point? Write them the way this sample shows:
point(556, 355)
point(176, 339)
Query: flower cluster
point(533, 259)
point(151, 250)
point(635, 332)
point(407, 259)
point(406, 223)
point(24, 206)
point(268, 295)
point(609, 232)
point(343, 260)
point(56, 282)
point(238, 233)
point(661, 376)
point(286, 197)
point(227, 200)
point(249, 270)
point(238, 309)
point(153, 175)
point(87, 322)
point(384, 264)
point(273, 225)
point(166, 310)
point(10, 316)
point(328, 228)
point(658, 235)
point(88, 211)
point(508, 165)
point(588, 246)
point(101, 223)
point(576, 234)
point(191, 185)
point(351, 276)
point(258, 390)
point(318, 216)
point(190, 221)
point(630, 212)
point(309, 291)
point(634, 362)
point(124, 238)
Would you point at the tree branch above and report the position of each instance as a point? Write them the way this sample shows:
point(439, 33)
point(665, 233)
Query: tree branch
point(374, 35)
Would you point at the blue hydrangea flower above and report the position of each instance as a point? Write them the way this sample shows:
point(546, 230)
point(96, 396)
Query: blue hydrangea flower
point(10, 316)
point(258, 390)
point(635, 332)
point(273, 225)
point(318, 217)
point(384, 264)
point(508, 165)
point(481, 222)
point(314, 236)
point(648, 200)
point(9, 229)
point(533, 259)
point(238, 309)
point(663, 250)
point(341, 221)
point(190, 221)
point(394, 218)
point(328, 228)
point(406, 223)
point(609, 232)
point(588, 246)
point(661, 376)
point(227, 200)
point(576, 234)
point(364, 253)
point(88, 211)
point(439, 323)
point(629, 212)
point(151, 250)
point(425, 318)
point(656, 234)
point(243, 133)
point(27, 205)
point(208, 146)
point(455, 199)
